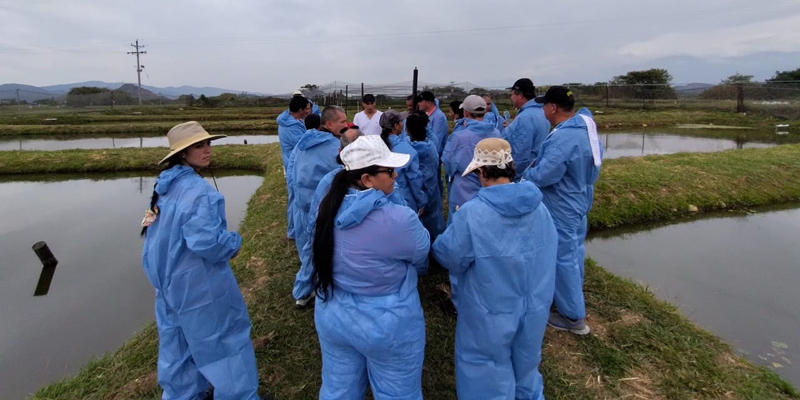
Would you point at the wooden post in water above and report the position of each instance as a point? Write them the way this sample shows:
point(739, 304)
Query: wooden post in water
point(49, 263)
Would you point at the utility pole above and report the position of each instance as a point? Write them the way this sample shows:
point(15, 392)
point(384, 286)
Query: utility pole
point(19, 110)
point(138, 66)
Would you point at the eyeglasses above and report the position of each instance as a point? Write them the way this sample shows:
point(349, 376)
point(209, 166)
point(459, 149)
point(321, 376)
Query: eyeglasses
point(389, 171)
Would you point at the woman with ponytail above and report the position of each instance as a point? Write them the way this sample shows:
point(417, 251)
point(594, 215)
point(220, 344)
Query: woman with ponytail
point(367, 253)
point(203, 326)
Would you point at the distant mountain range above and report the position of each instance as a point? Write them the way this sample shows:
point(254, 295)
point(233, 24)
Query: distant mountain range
point(32, 93)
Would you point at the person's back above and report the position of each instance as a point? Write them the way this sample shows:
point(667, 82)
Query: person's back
point(529, 129)
point(502, 247)
point(457, 156)
point(429, 166)
point(409, 180)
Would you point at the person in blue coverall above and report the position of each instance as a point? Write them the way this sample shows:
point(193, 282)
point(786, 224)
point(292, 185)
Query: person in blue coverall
point(290, 129)
point(367, 253)
point(457, 156)
point(528, 130)
point(202, 321)
point(409, 178)
point(493, 114)
point(312, 158)
point(456, 114)
point(303, 290)
point(502, 244)
point(431, 215)
point(426, 101)
point(565, 170)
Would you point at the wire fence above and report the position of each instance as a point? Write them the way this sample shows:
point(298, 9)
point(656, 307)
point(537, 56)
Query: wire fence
point(779, 99)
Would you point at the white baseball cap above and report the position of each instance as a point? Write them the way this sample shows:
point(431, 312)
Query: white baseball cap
point(490, 152)
point(370, 150)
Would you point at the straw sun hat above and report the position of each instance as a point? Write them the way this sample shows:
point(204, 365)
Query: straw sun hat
point(184, 135)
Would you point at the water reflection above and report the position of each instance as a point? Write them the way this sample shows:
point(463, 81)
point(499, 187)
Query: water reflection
point(118, 143)
point(736, 276)
point(99, 294)
point(640, 144)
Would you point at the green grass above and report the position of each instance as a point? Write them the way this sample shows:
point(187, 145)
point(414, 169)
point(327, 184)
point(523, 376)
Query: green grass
point(641, 347)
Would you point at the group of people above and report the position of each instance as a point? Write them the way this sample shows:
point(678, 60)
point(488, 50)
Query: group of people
point(366, 213)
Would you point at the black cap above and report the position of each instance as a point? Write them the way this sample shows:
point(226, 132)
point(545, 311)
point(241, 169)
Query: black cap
point(368, 98)
point(523, 85)
point(558, 95)
point(426, 96)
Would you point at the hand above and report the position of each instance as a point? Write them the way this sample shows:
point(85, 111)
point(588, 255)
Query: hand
point(457, 208)
point(421, 210)
point(505, 123)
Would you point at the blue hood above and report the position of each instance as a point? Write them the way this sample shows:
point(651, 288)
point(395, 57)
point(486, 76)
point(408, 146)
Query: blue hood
point(576, 121)
point(286, 119)
point(513, 199)
point(166, 178)
point(357, 205)
point(314, 137)
point(484, 127)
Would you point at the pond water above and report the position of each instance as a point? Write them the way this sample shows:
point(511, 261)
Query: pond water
point(736, 276)
point(99, 295)
point(117, 143)
point(641, 144)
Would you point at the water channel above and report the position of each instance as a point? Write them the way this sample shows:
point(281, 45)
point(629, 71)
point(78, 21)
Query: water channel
point(68, 142)
point(737, 276)
point(99, 295)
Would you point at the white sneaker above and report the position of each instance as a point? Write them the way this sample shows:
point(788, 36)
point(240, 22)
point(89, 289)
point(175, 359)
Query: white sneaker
point(304, 302)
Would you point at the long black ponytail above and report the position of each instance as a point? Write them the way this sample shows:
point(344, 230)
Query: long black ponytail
point(385, 133)
point(173, 161)
point(323, 246)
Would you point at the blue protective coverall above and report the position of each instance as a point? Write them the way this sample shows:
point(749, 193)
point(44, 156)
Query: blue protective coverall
point(203, 326)
point(494, 116)
point(456, 157)
point(525, 134)
point(432, 216)
point(410, 180)
point(315, 109)
point(565, 172)
point(290, 130)
point(437, 122)
point(502, 245)
point(312, 158)
point(371, 326)
point(302, 282)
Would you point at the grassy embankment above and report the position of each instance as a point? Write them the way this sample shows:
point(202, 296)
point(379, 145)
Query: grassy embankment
point(155, 121)
point(641, 347)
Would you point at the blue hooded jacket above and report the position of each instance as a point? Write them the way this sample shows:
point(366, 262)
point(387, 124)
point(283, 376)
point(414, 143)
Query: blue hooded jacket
point(312, 158)
point(200, 313)
point(525, 134)
point(290, 130)
point(502, 245)
point(432, 216)
point(456, 157)
point(494, 116)
point(410, 180)
point(438, 128)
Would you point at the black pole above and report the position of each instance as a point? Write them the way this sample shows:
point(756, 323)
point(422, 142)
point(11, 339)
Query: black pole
point(362, 92)
point(346, 96)
point(414, 87)
point(740, 98)
point(49, 263)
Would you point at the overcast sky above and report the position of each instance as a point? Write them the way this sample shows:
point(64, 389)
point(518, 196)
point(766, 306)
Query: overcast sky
point(277, 46)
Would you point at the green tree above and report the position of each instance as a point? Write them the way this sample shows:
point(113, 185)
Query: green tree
point(653, 83)
point(785, 76)
point(310, 86)
point(84, 90)
point(737, 78)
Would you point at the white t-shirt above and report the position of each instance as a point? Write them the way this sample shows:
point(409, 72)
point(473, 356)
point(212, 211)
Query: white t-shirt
point(369, 126)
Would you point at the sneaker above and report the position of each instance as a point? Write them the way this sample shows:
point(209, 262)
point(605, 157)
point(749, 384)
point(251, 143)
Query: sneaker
point(562, 323)
point(304, 302)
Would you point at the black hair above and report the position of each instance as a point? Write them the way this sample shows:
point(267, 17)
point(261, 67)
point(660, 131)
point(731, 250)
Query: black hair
point(410, 97)
point(323, 247)
point(416, 125)
point(312, 121)
point(526, 95)
point(385, 133)
point(456, 107)
point(173, 161)
point(495, 172)
point(297, 103)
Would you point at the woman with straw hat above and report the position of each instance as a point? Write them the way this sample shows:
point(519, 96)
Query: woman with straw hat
point(203, 326)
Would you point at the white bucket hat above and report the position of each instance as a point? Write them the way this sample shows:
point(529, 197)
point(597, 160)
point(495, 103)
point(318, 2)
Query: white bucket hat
point(370, 150)
point(490, 152)
point(184, 135)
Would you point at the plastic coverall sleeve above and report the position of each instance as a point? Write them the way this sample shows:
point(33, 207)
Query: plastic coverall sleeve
point(453, 248)
point(449, 157)
point(549, 169)
point(417, 239)
point(207, 237)
point(416, 181)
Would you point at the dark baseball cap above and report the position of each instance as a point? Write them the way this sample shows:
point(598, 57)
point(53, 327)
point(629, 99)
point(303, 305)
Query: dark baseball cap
point(523, 85)
point(426, 96)
point(368, 98)
point(558, 95)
